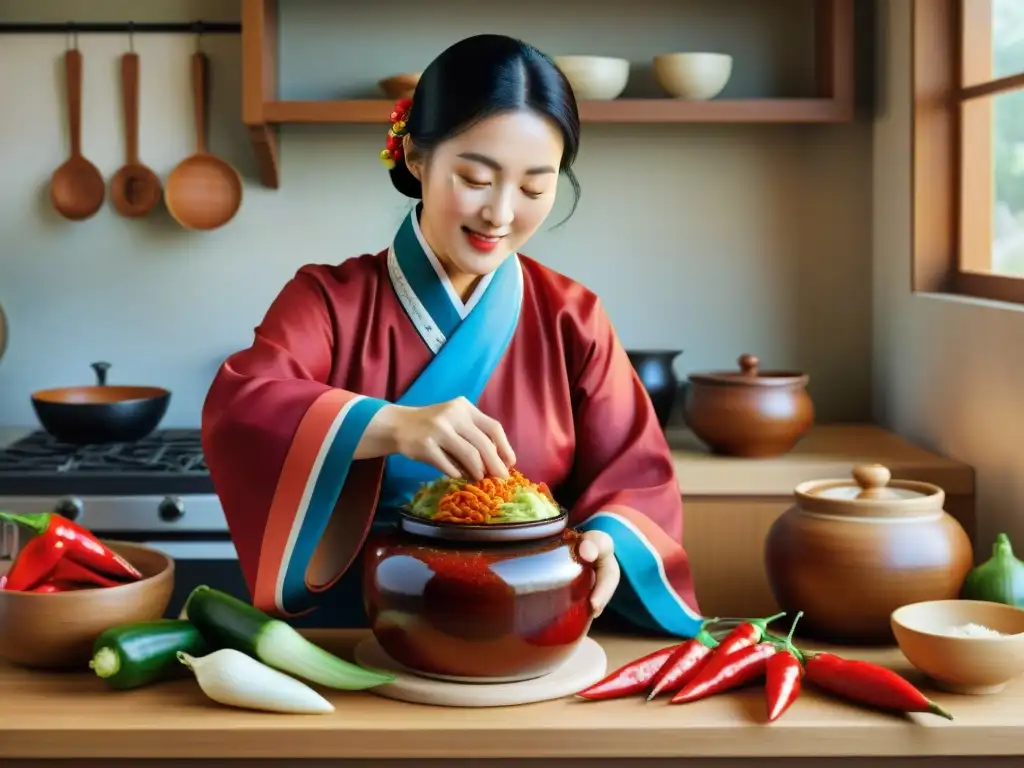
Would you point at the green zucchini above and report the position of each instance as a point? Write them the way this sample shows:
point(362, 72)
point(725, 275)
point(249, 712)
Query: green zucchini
point(133, 655)
point(227, 622)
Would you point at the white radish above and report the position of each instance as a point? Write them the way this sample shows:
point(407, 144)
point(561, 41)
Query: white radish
point(232, 678)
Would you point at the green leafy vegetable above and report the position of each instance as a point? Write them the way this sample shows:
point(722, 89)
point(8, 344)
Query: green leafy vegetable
point(526, 506)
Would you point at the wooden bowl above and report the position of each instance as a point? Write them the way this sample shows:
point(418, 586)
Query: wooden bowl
point(749, 412)
point(400, 86)
point(56, 631)
point(971, 665)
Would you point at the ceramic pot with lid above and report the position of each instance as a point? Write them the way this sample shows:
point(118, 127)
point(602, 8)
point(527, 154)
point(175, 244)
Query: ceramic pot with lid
point(478, 603)
point(749, 412)
point(848, 554)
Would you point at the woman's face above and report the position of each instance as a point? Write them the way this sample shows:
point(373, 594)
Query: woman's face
point(487, 190)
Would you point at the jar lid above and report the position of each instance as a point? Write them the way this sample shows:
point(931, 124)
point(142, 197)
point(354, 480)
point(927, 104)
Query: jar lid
point(872, 492)
point(750, 374)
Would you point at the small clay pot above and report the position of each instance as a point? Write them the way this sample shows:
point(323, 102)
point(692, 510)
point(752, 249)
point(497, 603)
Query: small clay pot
point(654, 369)
point(750, 412)
point(849, 554)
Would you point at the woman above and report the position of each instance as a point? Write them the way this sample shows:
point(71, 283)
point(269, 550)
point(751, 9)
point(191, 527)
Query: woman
point(447, 354)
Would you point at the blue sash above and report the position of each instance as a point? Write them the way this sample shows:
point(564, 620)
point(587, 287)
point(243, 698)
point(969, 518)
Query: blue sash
point(466, 349)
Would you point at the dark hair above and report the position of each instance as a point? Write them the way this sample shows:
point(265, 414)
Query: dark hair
point(482, 76)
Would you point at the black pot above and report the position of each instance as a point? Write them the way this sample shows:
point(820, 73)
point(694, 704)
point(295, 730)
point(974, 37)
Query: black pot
point(654, 367)
point(100, 413)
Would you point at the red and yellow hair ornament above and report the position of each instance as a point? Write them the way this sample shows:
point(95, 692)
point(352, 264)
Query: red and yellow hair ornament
point(392, 151)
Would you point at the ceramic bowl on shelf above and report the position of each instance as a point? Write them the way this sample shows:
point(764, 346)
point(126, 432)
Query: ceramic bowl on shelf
point(849, 553)
point(57, 630)
point(749, 412)
point(948, 641)
point(400, 86)
point(696, 76)
point(477, 603)
point(595, 78)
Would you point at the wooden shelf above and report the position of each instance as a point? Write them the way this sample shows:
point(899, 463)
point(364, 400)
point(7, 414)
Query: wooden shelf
point(262, 111)
point(608, 112)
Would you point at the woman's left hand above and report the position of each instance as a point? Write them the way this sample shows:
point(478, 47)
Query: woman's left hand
point(597, 547)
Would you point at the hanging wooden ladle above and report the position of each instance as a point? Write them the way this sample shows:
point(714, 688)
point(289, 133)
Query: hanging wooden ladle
point(77, 187)
point(203, 191)
point(135, 189)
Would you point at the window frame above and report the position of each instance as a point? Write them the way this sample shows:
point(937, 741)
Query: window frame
point(951, 156)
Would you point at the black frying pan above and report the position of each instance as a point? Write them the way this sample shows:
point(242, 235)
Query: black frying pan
point(100, 413)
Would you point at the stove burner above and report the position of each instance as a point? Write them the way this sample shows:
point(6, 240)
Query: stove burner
point(167, 461)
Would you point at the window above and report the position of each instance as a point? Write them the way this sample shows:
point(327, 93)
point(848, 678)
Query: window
point(968, 73)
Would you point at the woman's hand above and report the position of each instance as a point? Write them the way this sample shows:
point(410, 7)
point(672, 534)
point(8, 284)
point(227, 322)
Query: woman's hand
point(597, 548)
point(455, 437)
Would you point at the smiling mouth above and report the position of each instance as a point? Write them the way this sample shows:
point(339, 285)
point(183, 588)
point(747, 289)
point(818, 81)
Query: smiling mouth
point(481, 235)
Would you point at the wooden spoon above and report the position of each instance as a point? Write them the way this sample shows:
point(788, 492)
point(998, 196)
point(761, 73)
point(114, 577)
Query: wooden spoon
point(135, 189)
point(76, 188)
point(203, 191)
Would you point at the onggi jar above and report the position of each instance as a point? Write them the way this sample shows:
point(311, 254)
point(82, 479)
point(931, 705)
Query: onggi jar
point(477, 602)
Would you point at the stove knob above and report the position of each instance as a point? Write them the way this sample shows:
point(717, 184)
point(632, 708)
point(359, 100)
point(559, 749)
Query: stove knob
point(171, 509)
point(70, 508)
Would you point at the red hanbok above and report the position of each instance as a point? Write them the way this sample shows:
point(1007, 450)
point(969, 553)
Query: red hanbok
point(531, 348)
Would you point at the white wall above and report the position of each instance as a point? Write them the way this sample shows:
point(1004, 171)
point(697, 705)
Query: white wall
point(949, 373)
point(718, 240)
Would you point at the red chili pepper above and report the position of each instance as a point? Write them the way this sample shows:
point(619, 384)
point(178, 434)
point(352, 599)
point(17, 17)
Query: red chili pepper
point(746, 634)
point(81, 545)
point(51, 587)
point(33, 563)
point(782, 682)
point(782, 676)
point(725, 672)
point(69, 571)
point(682, 665)
point(868, 683)
point(631, 678)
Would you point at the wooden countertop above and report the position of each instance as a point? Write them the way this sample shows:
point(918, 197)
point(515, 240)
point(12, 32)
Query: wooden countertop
point(827, 451)
point(51, 715)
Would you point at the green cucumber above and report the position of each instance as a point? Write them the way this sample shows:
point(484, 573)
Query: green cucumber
point(133, 655)
point(227, 622)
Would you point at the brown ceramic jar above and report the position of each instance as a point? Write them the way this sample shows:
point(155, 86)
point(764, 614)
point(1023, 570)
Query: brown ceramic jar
point(479, 603)
point(849, 554)
point(749, 412)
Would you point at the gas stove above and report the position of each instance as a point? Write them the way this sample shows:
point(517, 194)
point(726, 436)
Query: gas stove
point(155, 491)
point(159, 484)
point(169, 461)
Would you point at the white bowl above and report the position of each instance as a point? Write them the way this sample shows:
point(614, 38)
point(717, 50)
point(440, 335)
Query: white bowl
point(595, 77)
point(697, 76)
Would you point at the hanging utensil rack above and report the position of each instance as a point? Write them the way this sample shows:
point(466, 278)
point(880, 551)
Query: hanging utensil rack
point(120, 27)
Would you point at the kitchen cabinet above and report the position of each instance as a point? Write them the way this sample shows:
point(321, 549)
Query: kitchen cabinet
point(730, 503)
point(263, 109)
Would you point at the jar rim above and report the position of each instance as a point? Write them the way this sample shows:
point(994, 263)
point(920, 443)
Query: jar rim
point(483, 532)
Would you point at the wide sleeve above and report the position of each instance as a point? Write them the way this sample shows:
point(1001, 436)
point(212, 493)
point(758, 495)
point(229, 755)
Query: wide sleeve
point(624, 483)
point(279, 443)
